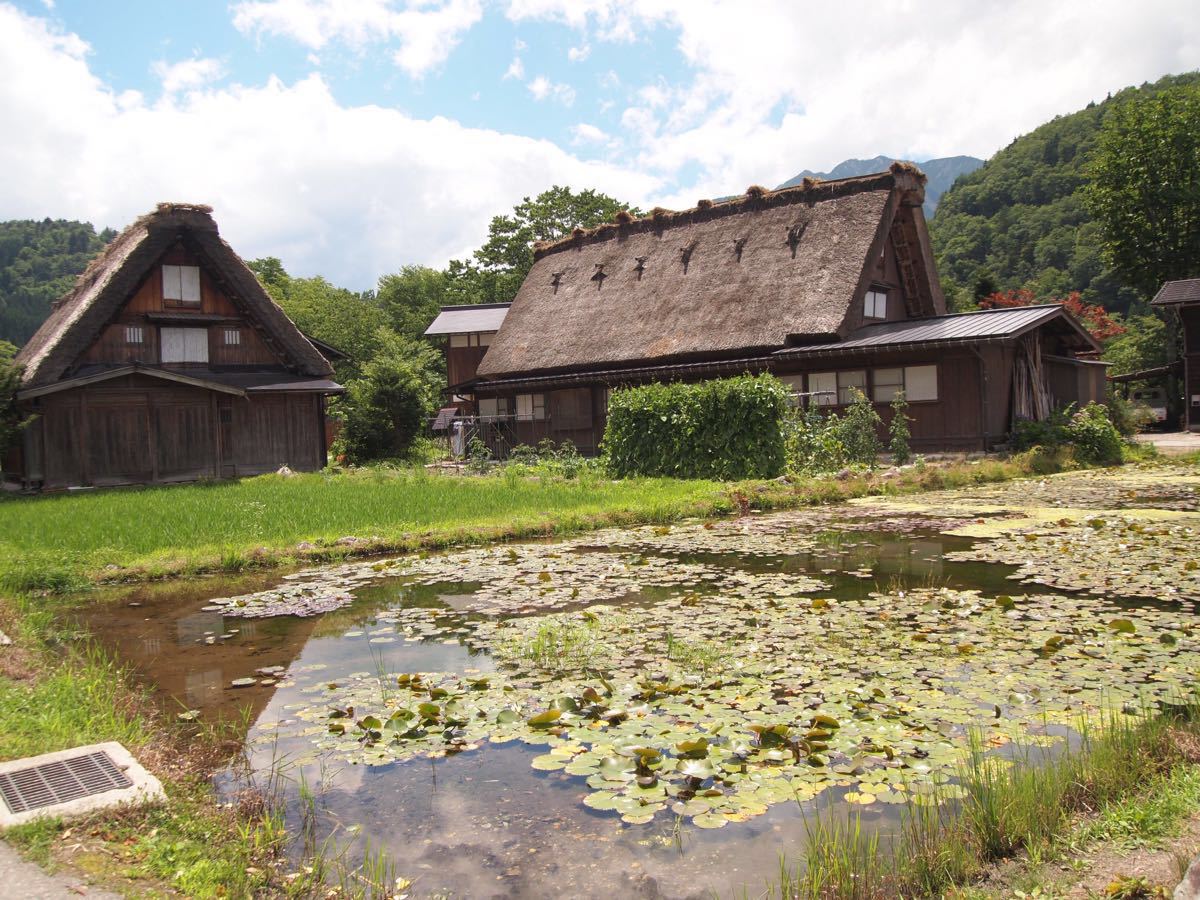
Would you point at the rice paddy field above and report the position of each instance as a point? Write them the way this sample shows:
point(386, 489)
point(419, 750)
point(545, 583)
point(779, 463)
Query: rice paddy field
point(666, 710)
point(53, 541)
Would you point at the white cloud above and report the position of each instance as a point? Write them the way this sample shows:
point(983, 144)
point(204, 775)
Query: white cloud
point(188, 74)
point(776, 86)
point(427, 30)
point(584, 133)
point(516, 69)
point(543, 88)
point(347, 192)
point(579, 54)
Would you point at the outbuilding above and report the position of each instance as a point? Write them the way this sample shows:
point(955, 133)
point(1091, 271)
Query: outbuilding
point(168, 362)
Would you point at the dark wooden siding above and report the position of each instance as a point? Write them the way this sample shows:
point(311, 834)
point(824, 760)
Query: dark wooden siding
point(112, 348)
point(137, 429)
point(463, 362)
point(1190, 317)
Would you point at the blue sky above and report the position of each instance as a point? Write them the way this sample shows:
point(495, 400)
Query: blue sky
point(351, 138)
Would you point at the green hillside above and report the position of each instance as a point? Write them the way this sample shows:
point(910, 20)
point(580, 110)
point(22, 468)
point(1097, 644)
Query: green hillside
point(1019, 221)
point(38, 263)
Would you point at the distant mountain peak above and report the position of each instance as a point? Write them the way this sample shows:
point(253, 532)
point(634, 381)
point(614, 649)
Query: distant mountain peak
point(941, 173)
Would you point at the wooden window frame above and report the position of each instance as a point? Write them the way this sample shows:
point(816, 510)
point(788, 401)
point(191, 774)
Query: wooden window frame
point(875, 303)
point(905, 385)
point(174, 286)
point(135, 335)
point(231, 337)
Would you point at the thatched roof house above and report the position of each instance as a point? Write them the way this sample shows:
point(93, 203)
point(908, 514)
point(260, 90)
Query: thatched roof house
point(723, 279)
point(168, 361)
point(830, 285)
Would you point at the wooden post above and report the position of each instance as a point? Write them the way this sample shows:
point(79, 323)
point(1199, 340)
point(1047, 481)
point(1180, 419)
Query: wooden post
point(84, 473)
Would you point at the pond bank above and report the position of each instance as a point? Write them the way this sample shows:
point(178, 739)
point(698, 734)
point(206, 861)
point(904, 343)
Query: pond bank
point(65, 543)
point(257, 847)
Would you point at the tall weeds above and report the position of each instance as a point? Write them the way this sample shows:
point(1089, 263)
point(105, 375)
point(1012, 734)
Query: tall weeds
point(1026, 804)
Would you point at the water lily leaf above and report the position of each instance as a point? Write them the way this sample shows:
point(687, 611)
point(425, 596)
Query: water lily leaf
point(710, 820)
point(1122, 626)
point(695, 768)
point(544, 719)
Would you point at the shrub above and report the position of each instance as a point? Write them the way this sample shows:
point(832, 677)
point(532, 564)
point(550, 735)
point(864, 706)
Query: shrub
point(898, 431)
point(1127, 417)
point(387, 407)
point(1050, 432)
point(727, 429)
point(1089, 432)
point(858, 430)
point(813, 444)
point(1094, 437)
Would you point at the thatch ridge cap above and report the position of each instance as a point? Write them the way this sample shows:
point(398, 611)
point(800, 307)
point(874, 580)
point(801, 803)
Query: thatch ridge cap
point(145, 237)
point(903, 176)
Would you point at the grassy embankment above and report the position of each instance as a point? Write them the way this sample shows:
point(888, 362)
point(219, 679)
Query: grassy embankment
point(56, 691)
point(65, 542)
point(1131, 782)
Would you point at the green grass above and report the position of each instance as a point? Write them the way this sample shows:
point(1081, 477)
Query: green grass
point(1129, 783)
point(62, 543)
point(53, 542)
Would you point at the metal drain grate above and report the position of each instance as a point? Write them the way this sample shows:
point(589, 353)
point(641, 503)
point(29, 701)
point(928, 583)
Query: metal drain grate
point(58, 782)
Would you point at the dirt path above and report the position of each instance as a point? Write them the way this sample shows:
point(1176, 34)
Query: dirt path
point(1164, 866)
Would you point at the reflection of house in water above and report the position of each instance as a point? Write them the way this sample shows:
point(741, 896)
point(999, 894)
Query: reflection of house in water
point(203, 688)
point(919, 558)
point(197, 626)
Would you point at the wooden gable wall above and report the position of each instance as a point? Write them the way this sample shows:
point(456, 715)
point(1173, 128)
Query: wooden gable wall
point(215, 313)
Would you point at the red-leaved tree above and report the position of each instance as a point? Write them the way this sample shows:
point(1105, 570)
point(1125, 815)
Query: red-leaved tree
point(1093, 316)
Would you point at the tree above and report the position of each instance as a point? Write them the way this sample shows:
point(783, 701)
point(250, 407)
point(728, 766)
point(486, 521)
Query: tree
point(1144, 345)
point(500, 265)
point(1145, 187)
point(411, 298)
point(347, 320)
point(1023, 218)
point(1092, 316)
point(38, 264)
point(386, 408)
point(11, 420)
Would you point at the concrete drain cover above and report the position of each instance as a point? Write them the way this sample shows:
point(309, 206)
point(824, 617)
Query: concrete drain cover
point(73, 782)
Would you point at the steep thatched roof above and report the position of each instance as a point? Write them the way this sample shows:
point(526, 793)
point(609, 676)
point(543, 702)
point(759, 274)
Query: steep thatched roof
point(744, 275)
point(112, 277)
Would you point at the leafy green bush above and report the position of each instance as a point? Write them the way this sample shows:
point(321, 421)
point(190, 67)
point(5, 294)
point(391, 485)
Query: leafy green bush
point(385, 410)
point(898, 431)
point(1050, 432)
point(819, 442)
point(813, 444)
point(727, 429)
point(1094, 437)
point(859, 430)
point(1089, 432)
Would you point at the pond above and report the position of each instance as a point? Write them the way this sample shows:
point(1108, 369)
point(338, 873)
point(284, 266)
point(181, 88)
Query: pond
point(655, 711)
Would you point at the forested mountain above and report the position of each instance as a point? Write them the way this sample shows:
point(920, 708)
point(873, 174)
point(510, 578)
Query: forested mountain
point(1019, 221)
point(38, 263)
point(940, 172)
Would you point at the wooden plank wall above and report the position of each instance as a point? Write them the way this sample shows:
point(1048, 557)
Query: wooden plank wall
point(138, 430)
point(110, 346)
point(462, 363)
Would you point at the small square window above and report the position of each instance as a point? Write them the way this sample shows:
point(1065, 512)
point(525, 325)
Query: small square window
point(875, 305)
point(920, 383)
point(134, 334)
point(848, 383)
point(823, 388)
point(233, 337)
point(888, 383)
point(531, 406)
point(181, 284)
